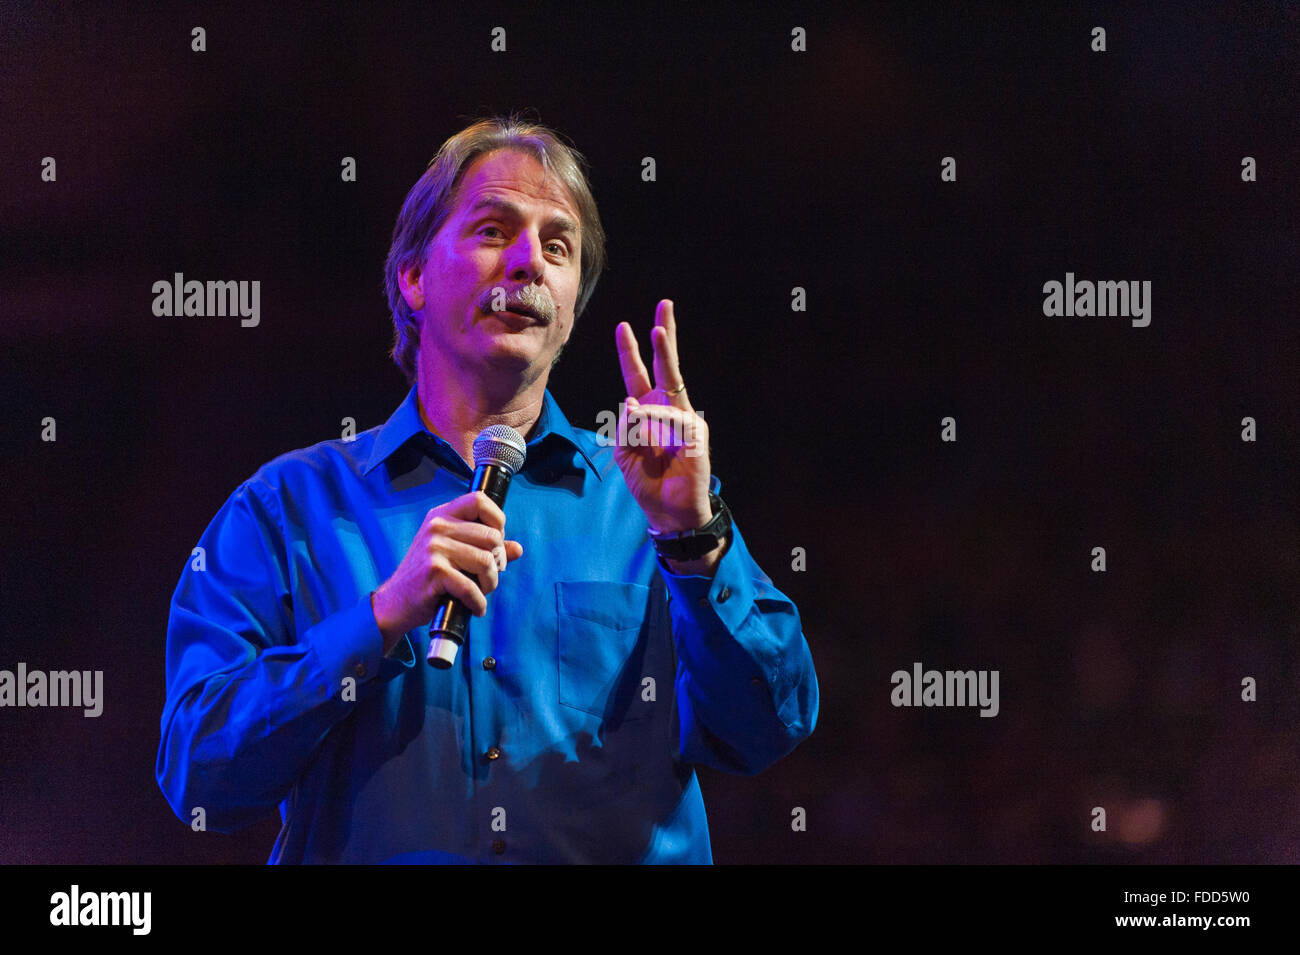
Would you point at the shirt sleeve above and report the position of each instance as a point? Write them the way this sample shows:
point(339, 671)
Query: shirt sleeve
point(746, 688)
point(248, 697)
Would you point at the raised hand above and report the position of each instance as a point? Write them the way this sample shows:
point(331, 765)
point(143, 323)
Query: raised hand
point(665, 459)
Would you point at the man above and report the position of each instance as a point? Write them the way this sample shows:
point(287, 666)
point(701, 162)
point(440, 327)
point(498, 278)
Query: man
point(621, 630)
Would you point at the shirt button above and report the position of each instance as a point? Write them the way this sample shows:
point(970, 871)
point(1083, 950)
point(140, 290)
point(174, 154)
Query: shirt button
point(493, 752)
point(704, 601)
point(755, 681)
point(498, 846)
point(359, 670)
point(489, 663)
point(722, 597)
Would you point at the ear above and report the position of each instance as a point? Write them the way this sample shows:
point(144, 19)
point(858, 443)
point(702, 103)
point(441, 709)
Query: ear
point(408, 279)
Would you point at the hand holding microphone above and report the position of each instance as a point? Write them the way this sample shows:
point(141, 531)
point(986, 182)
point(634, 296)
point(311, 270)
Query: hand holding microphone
point(455, 557)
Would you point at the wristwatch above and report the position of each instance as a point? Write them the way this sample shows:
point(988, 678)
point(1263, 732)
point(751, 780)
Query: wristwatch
point(692, 545)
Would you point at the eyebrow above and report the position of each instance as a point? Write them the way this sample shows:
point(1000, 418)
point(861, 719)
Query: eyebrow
point(504, 206)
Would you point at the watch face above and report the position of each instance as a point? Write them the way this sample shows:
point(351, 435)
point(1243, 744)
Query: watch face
point(699, 546)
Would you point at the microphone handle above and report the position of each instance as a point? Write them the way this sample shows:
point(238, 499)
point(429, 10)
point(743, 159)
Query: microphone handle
point(451, 618)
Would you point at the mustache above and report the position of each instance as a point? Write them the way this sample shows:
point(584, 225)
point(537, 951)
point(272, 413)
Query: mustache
point(527, 300)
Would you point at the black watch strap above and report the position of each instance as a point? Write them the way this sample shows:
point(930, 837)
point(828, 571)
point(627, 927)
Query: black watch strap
point(692, 545)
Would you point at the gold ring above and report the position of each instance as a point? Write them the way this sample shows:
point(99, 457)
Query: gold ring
point(676, 391)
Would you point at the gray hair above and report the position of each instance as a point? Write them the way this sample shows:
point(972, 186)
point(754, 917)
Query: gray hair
point(430, 203)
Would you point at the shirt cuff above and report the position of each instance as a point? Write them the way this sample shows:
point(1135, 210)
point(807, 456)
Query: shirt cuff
point(348, 643)
point(729, 592)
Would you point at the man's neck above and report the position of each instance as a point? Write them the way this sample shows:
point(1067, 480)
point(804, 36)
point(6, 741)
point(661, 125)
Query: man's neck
point(457, 414)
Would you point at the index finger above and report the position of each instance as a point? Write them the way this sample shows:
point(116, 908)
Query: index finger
point(635, 377)
point(476, 506)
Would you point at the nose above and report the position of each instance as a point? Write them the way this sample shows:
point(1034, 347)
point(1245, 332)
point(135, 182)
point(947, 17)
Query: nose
point(525, 262)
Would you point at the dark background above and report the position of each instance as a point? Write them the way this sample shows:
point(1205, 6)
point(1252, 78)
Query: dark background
point(775, 169)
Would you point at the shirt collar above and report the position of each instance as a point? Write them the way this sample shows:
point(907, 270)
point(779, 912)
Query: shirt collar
point(406, 423)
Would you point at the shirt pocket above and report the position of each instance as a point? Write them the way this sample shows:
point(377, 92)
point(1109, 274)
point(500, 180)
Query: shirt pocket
point(604, 638)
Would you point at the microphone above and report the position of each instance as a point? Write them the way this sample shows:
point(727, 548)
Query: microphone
point(499, 452)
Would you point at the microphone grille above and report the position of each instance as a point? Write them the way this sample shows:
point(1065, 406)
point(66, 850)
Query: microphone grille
point(500, 445)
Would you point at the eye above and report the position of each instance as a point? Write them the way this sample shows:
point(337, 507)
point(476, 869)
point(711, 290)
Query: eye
point(561, 248)
point(491, 228)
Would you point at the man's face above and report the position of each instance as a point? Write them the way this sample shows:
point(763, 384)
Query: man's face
point(511, 229)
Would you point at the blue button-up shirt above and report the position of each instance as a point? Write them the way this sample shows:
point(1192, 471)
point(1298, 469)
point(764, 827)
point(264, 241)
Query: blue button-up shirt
point(568, 727)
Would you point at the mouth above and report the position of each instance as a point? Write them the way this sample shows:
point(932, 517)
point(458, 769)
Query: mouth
point(514, 321)
point(521, 312)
